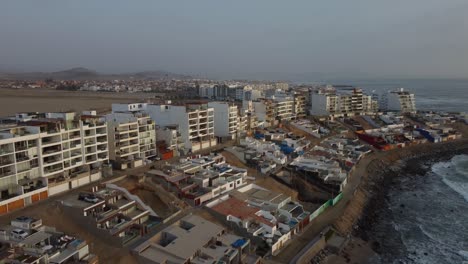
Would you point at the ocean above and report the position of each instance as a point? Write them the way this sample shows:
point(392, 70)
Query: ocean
point(449, 95)
point(425, 217)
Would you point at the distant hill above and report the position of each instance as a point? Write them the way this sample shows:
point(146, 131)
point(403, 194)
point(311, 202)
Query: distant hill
point(81, 73)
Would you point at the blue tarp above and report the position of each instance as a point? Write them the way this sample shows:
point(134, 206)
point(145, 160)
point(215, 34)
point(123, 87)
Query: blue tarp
point(259, 136)
point(239, 243)
point(286, 149)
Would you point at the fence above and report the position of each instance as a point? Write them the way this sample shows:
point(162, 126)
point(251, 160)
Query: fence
point(327, 204)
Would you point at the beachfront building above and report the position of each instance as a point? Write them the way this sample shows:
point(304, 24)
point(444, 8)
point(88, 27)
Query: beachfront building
point(49, 154)
point(199, 179)
point(329, 101)
point(132, 139)
point(226, 119)
point(272, 217)
point(399, 100)
point(193, 239)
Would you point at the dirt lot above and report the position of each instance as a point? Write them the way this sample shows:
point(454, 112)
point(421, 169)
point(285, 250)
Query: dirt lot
point(43, 100)
point(149, 197)
point(52, 215)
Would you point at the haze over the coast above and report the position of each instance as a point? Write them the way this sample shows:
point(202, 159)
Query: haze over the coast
point(240, 39)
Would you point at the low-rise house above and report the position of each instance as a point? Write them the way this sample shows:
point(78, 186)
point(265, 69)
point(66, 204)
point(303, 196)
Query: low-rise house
point(195, 240)
point(112, 213)
point(199, 179)
point(31, 242)
point(271, 217)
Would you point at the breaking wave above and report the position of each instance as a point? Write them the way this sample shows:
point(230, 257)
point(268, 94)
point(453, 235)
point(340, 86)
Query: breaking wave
point(454, 174)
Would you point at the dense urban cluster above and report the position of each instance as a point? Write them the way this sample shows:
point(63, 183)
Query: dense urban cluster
point(210, 161)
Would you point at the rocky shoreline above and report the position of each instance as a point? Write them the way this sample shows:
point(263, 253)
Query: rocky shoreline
point(381, 173)
point(382, 179)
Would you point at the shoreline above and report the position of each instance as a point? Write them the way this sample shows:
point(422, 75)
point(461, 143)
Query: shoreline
point(360, 214)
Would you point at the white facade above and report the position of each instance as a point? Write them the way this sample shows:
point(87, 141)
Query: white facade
point(46, 153)
point(172, 137)
point(279, 107)
point(194, 121)
point(226, 119)
point(132, 137)
point(399, 100)
point(328, 102)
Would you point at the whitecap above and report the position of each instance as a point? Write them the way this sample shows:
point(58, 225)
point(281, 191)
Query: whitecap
point(463, 253)
point(456, 166)
point(461, 188)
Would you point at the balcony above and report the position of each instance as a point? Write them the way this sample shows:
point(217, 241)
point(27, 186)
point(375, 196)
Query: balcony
point(6, 160)
point(5, 151)
point(75, 135)
point(51, 141)
point(53, 169)
point(20, 158)
point(102, 148)
point(7, 171)
point(20, 147)
point(51, 150)
point(52, 160)
point(102, 139)
point(102, 156)
point(91, 158)
point(90, 142)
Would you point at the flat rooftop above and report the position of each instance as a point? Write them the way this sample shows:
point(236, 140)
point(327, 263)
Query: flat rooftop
point(180, 241)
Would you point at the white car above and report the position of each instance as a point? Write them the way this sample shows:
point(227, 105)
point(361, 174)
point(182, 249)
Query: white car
point(19, 233)
point(91, 199)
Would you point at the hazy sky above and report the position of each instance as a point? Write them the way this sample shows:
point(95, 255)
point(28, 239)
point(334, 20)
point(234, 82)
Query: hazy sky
point(238, 38)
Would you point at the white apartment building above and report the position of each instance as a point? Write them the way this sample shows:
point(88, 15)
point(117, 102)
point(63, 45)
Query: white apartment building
point(279, 107)
point(299, 106)
point(329, 101)
point(49, 154)
point(171, 136)
point(399, 100)
point(194, 121)
point(226, 119)
point(132, 139)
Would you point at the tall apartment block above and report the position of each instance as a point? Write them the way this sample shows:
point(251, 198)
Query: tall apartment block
point(344, 102)
point(279, 107)
point(132, 139)
point(299, 106)
point(226, 118)
point(195, 122)
point(399, 100)
point(46, 154)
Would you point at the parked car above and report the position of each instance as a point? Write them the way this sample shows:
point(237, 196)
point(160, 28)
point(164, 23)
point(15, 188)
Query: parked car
point(19, 233)
point(88, 198)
